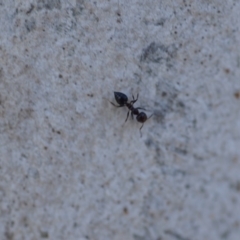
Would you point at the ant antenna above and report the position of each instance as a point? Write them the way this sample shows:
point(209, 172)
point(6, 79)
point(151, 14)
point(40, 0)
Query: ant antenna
point(143, 124)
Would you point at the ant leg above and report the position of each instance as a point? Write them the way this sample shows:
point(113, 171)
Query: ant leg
point(116, 105)
point(134, 100)
point(127, 116)
point(140, 130)
point(132, 114)
point(141, 108)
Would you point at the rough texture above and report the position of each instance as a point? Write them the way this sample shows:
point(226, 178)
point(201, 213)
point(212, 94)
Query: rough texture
point(69, 169)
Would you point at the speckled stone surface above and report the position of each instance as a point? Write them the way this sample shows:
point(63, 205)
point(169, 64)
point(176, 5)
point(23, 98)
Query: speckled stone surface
point(69, 167)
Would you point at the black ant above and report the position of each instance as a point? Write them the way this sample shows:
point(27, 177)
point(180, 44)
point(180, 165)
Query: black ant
point(122, 100)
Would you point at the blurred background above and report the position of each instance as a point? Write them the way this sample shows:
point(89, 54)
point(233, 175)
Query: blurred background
point(69, 166)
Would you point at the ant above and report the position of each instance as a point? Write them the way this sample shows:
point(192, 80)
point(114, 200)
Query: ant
point(122, 100)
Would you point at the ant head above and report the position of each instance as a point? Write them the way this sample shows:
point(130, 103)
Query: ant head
point(142, 117)
point(121, 98)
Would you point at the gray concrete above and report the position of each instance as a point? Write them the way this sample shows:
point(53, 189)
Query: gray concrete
point(70, 169)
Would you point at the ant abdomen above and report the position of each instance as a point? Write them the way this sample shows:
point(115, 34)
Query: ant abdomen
point(121, 98)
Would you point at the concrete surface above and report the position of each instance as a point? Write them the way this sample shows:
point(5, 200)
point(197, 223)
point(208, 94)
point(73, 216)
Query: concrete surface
point(70, 169)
